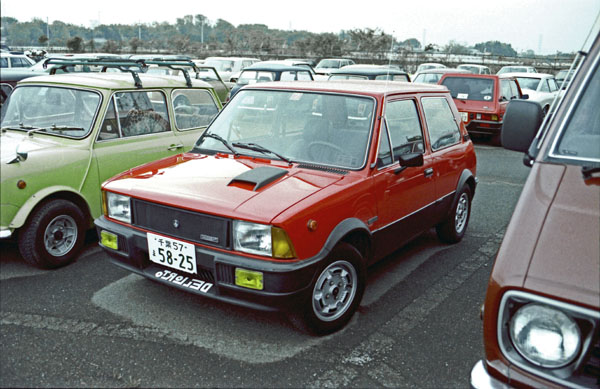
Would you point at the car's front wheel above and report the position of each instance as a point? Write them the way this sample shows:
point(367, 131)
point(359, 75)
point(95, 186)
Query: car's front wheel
point(335, 292)
point(53, 234)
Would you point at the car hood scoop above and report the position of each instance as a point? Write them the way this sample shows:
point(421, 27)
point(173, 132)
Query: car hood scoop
point(228, 187)
point(259, 177)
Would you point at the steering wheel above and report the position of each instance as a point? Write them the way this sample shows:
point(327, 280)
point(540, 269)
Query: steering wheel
point(316, 148)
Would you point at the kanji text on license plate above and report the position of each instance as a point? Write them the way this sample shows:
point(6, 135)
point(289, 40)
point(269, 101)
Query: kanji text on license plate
point(172, 253)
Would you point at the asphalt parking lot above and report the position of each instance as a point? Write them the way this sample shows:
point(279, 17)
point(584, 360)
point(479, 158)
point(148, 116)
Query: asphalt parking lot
point(93, 324)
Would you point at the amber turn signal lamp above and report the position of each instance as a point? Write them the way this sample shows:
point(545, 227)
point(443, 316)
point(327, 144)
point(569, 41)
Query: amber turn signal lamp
point(21, 184)
point(312, 225)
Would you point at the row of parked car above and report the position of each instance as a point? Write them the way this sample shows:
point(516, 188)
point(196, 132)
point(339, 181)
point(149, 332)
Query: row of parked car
point(280, 198)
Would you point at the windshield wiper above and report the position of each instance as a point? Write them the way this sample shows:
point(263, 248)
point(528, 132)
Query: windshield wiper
point(220, 139)
point(54, 127)
point(261, 149)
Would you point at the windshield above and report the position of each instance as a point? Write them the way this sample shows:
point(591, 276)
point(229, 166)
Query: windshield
point(528, 83)
point(252, 76)
point(222, 65)
point(580, 138)
point(470, 88)
point(329, 63)
point(314, 128)
point(52, 110)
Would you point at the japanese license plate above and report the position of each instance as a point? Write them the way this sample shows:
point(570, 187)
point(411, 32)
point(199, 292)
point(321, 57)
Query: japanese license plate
point(172, 253)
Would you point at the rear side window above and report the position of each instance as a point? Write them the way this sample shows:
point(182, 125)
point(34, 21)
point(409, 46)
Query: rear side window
point(580, 137)
point(193, 108)
point(441, 125)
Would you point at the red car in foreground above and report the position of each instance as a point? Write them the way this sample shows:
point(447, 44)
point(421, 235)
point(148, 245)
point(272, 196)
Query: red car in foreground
point(481, 100)
point(293, 190)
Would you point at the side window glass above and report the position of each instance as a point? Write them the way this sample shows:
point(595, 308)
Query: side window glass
point(505, 92)
point(553, 86)
point(441, 125)
point(288, 76)
point(544, 87)
point(3, 62)
point(384, 157)
point(404, 127)
point(193, 108)
point(110, 125)
point(141, 113)
point(304, 76)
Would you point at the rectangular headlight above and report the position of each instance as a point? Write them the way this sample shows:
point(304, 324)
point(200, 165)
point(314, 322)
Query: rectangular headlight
point(118, 207)
point(252, 238)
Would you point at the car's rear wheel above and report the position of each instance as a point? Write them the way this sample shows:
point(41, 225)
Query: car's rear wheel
point(335, 292)
point(453, 229)
point(53, 234)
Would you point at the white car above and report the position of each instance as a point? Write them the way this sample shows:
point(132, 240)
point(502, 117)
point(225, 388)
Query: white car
point(9, 60)
point(473, 68)
point(541, 87)
point(326, 65)
point(229, 68)
point(517, 69)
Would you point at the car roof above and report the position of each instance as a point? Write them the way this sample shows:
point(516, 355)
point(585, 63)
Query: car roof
point(113, 80)
point(367, 70)
point(231, 58)
point(372, 88)
point(527, 74)
point(280, 67)
point(444, 70)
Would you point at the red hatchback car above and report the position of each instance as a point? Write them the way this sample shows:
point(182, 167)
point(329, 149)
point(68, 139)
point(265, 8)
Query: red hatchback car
point(293, 190)
point(481, 100)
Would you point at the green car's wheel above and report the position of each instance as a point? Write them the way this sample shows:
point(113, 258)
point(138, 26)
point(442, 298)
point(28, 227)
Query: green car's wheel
point(53, 234)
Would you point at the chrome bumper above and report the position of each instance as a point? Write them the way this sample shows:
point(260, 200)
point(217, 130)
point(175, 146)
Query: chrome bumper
point(480, 379)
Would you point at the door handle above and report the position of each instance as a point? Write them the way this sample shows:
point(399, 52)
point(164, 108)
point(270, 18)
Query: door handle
point(174, 147)
point(428, 172)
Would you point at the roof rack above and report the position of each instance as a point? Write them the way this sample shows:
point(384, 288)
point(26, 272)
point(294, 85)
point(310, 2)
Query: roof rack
point(125, 65)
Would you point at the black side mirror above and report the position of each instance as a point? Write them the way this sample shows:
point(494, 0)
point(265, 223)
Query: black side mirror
point(411, 159)
point(521, 123)
point(524, 97)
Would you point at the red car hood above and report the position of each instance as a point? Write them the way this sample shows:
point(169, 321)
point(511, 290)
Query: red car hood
point(215, 185)
point(566, 261)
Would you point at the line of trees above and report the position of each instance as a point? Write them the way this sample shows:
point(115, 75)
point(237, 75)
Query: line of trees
point(196, 35)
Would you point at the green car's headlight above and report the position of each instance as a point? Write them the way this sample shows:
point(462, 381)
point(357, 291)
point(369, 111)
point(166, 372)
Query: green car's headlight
point(118, 207)
point(544, 335)
point(261, 239)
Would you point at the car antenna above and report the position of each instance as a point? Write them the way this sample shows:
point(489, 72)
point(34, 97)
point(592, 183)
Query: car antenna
point(387, 80)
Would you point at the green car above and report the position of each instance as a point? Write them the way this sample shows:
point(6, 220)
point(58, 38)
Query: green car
point(62, 135)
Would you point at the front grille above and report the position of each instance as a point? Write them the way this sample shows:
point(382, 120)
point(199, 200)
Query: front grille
point(224, 273)
point(183, 224)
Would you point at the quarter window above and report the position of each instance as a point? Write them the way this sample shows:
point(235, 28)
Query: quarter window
point(441, 125)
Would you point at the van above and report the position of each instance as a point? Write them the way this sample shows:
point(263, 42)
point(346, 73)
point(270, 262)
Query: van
point(541, 316)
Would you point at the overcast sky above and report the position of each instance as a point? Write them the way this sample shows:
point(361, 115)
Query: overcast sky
point(545, 26)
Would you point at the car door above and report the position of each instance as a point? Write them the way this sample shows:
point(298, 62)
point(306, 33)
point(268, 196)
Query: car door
point(449, 153)
point(405, 196)
point(136, 129)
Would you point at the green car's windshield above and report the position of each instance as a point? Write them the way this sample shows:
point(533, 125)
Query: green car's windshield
point(304, 127)
point(58, 111)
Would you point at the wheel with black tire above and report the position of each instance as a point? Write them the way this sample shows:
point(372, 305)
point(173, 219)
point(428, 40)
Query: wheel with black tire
point(53, 235)
point(335, 292)
point(453, 229)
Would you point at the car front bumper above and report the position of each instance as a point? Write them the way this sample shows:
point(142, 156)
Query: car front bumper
point(481, 379)
point(286, 284)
